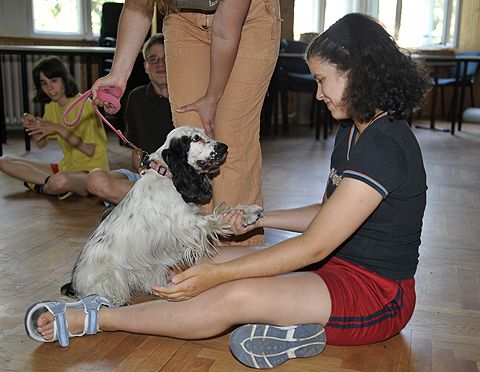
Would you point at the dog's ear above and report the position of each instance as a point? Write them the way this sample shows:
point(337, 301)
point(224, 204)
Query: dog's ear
point(194, 187)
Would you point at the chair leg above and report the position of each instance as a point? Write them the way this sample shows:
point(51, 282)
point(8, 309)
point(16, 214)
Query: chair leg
point(327, 121)
point(275, 113)
point(318, 118)
point(322, 118)
point(284, 98)
point(472, 100)
point(433, 106)
point(442, 97)
point(312, 110)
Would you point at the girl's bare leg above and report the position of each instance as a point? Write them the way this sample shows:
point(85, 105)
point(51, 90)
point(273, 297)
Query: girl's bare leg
point(24, 169)
point(282, 300)
point(63, 182)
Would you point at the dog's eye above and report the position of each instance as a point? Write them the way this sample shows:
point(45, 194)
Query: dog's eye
point(196, 138)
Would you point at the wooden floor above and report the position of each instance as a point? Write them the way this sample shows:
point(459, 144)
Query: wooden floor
point(41, 237)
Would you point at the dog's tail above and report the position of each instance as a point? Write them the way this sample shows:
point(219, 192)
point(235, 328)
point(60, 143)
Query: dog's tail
point(68, 290)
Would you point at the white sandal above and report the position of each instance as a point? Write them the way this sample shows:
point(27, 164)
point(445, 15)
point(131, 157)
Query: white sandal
point(90, 305)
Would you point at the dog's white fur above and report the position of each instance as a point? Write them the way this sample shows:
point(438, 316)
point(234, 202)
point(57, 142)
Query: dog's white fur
point(153, 229)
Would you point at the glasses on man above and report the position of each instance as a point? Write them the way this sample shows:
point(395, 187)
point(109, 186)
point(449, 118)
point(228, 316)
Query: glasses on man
point(151, 60)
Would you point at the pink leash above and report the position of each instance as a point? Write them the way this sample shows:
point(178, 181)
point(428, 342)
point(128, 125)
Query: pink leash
point(106, 94)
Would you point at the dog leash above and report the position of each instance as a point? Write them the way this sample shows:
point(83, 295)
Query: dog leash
point(106, 94)
point(112, 96)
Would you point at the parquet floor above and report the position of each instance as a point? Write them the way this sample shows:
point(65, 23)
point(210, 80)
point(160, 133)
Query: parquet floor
point(41, 237)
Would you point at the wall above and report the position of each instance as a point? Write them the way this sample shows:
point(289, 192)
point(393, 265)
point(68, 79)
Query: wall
point(13, 18)
point(286, 11)
point(469, 38)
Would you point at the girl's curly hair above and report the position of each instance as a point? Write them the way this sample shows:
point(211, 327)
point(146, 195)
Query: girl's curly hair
point(380, 74)
point(52, 67)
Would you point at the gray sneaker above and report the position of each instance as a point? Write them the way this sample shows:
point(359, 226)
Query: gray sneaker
point(267, 346)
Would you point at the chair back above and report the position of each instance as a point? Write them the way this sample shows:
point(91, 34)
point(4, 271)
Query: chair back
point(109, 24)
point(295, 65)
point(472, 67)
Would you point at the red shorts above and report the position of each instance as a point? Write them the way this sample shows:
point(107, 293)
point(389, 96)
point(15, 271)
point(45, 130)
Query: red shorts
point(366, 307)
point(54, 168)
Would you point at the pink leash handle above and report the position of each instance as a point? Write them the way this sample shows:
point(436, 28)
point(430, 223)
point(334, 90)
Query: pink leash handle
point(110, 95)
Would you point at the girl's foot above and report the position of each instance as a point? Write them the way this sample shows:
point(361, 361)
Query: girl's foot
point(75, 322)
point(50, 321)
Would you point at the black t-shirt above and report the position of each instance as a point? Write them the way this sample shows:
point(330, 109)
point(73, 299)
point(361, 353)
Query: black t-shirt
point(387, 157)
point(149, 118)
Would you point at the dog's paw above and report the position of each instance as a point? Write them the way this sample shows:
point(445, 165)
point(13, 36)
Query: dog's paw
point(221, 209)
point(251, 213)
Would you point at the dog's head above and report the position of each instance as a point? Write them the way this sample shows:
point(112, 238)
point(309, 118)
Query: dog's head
point(191, 156)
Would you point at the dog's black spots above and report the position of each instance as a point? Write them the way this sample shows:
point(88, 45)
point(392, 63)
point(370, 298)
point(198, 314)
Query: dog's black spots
point(187, 139)
point(192, 186)
point(100, 237)
point(67, 290)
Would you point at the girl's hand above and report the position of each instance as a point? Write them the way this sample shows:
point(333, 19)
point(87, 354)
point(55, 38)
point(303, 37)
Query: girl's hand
point(189, 283)
point(206, 108)
point(30, 121)
point(107, 81)
point(235, 220)
point(42, 129)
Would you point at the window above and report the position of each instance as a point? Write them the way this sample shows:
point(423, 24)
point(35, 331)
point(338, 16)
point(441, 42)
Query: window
point(416, 24)
point(336, 10)
point(96, 14)
point(413, 23)
point(67, 18)
point(54, 16)
point(306, 17)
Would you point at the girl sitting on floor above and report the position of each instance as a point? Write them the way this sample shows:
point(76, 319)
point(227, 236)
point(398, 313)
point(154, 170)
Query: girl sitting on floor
point(84, 146)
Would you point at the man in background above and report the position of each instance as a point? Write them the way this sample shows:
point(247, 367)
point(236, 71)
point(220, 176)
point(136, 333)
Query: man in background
point(149, 120)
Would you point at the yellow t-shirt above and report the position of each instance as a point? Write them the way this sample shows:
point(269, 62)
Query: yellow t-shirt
point(89, 129)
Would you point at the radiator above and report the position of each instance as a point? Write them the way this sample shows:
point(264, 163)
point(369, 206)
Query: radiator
point(12, 88)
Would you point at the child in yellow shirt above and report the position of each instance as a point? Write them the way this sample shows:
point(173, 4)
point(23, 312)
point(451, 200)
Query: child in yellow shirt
point(84, 146)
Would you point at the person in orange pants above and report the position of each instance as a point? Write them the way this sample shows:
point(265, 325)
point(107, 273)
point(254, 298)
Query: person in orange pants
point(220, 56)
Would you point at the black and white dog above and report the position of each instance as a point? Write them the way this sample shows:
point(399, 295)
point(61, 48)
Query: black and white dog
point(159, 226)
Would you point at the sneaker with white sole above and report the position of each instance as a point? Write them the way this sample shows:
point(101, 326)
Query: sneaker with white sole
point(267, 346)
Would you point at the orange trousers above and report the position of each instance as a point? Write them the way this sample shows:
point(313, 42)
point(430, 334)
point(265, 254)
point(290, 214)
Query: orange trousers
point(237, 121)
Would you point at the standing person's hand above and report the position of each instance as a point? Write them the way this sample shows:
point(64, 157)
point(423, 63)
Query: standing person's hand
point(110, 81)
point(206, 108)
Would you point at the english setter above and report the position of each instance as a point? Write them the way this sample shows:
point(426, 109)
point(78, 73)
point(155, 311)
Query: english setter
point(159, 225)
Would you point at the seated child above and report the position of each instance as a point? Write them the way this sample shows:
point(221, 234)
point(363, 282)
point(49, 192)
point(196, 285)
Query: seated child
point(84, 146)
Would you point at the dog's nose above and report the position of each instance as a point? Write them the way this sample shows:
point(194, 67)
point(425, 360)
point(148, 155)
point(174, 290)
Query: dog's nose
point(221, 148)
